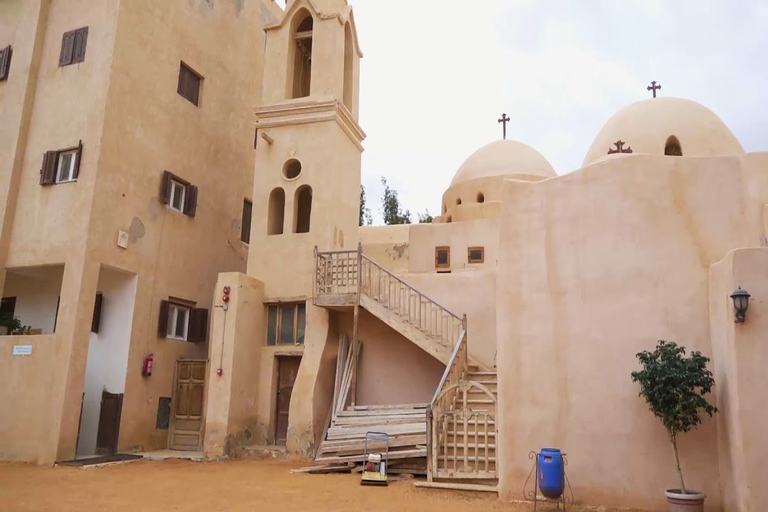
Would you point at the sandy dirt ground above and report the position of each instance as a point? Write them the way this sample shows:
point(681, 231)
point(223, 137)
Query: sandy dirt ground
point(246, 485)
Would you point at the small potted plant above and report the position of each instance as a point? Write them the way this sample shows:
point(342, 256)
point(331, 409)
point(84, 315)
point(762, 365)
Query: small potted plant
point(674, 387)
point(10, 324)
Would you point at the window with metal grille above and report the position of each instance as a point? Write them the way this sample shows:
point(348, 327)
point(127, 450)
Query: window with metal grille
point(163, 413)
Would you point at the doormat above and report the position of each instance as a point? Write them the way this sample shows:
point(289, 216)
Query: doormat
point(90, 461)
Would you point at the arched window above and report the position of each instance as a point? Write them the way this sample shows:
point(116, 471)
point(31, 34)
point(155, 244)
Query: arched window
point(480, 197)
point(276, 213)
point(302, 209)
point(348, 68)
point(458, 200)
point(672, 147)
point(300, 55)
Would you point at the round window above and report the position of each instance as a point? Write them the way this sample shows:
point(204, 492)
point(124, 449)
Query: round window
point(292, 169)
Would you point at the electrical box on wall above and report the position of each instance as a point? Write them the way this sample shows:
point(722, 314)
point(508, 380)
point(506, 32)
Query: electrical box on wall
point(122, 239)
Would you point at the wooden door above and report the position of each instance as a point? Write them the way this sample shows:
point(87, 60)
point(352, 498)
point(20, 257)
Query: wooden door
point(186, 428)
point(109, 423)
point(287, 369)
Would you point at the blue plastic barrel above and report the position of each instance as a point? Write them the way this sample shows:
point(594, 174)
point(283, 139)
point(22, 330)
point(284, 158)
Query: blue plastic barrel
point(551, 475)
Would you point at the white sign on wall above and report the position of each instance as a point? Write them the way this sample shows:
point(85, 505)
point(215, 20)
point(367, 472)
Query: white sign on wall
point(22, 350)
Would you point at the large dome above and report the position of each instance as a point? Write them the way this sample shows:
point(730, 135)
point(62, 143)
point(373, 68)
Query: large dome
point(649, 126)
point(503, 158)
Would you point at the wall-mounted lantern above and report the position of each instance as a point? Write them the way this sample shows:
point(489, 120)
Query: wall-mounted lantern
point(740, 303)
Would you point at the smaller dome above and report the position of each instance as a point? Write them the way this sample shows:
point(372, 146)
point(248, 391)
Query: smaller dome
point(505, 158)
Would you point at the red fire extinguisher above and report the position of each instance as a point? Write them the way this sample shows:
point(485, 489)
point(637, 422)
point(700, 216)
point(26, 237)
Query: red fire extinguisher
point(146, 369)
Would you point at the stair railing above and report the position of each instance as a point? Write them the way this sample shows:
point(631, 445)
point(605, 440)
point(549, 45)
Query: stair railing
point(407, 302)
point(445, 396)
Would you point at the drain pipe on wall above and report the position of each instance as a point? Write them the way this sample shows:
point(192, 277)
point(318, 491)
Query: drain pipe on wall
point(225, 307)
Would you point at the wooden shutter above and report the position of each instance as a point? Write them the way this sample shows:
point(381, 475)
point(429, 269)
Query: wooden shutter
point(165, 187)
point(78, 155)
point(182, 87)
point(48, 172)
point(67, 49)
point(5, 62)
point(198, 325)
point(96, 322)
point(162, 321)
point(81, 39)
point(245, 226)
point(190, 201)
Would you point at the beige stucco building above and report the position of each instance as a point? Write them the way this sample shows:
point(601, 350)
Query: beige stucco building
point(126, 155)
point(509, 324)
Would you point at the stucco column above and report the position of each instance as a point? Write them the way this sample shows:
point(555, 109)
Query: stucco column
point(17, 110)
point(78, 294)
point(303, 415)
point(231, 415)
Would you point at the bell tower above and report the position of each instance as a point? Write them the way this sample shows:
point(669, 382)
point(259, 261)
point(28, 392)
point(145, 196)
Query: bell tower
point(308, 145)
point(306, 194)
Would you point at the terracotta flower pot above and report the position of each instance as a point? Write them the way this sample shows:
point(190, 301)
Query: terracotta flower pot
point(691, 502)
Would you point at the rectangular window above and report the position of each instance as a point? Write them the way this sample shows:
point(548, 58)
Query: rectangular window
point(178, 322)
point(442, 257)
point(476, 254)
point(66, 167)
point(73, 47)
point(285, 323)
point(5, 62)
point(178, 191)
point(178, 194)
point(61, 166)
point(245, 226)
point(189, 84)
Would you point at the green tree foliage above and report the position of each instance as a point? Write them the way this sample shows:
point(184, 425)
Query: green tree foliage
point(425, 218)
point(391, 210)
point(366, 219)
point(674, 387)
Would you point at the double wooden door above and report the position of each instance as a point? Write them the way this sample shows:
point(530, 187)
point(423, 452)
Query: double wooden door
point(186, 426)
point(287, 369)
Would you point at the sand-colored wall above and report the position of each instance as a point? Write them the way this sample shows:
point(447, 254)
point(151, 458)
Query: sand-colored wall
point(122, 102)
point(739, 355)
point(459, 236)
point(392, 369)
point(596, 266)
point(388, 246)
point(231, 416)
point(149, 129)
point(26, 388)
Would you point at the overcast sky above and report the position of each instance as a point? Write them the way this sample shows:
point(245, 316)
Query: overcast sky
point(436, 76)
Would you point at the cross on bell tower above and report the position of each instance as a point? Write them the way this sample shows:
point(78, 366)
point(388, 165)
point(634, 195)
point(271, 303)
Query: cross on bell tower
point(653, 87)
point(504, 120)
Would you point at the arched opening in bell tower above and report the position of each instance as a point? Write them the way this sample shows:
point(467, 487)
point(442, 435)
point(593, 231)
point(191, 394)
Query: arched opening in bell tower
point(300, 55)
point(303, 209)
point(673, 147)
point(349, 81)
point(276, 213)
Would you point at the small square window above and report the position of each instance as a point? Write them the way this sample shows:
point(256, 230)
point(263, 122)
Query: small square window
point(442, 257)
point(178, 322)
point(476, 254)
point(178, 193)
point(66, 168)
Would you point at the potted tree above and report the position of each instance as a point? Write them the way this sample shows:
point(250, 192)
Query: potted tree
point(674, 387)
point(10, 324)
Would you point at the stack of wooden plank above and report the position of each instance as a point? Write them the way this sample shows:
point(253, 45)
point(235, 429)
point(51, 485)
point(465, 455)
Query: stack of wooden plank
point(344, 439)
point(406, 426)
